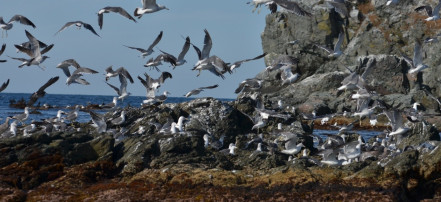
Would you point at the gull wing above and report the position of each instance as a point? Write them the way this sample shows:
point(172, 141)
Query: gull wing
point(427, 8)
point(210, 87)
point(84, 70)
point(3, 49)
point(125, 73)
point(68, 24)
point(164, 76)
point(417, 55)
point(198, 51)
point(4, 85)
point(207, 45)
point(47, 49)
point(35, 46)
point(158, 38)
point(114, 88)
point(293, 7)
point(25, 50)
point(184, 49)
point(238, 63)
point(121, 11)
point(89, 27)
point(437, 8)
point(22, 20)
point(138, 49)
point(339, 42)
point(148, 3)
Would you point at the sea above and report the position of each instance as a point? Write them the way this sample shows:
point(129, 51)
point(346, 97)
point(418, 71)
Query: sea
point(62, 101)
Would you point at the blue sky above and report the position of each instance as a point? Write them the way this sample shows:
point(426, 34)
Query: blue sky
point(234, 29)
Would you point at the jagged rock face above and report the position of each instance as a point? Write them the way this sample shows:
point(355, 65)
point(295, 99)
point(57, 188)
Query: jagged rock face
point(374, 31)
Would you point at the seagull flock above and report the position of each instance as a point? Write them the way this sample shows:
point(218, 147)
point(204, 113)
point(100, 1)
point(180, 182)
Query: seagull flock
point(336, 150)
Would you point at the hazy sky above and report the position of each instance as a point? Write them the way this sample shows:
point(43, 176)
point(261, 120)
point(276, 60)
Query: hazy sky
point(234, 29)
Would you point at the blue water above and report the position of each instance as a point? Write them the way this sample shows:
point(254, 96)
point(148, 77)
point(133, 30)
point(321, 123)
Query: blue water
point(366, 134)
point(59, 101)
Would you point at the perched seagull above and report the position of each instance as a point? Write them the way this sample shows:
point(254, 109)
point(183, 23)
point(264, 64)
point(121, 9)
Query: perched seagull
point(416, 64)
point(16, 18)
point(389, 2)
point(73, 115)
point(109, 9)
point(122, 90)
point(120, 71)
point(4, 85)
point(291, 146)
point(40, 92)
point(336, 52)
point(34, 53)
point(3, 50)
point(119, 120)
point(4, 126)
point(148, 6)
point(198, 90)
point(78, 24)
point(292, 7)
point(75, 76)
point(339, 7)
point(111, 105)
point(149, 50)
point(98, 122)
point(153, 84)
point(238, 63)
point(12, 132)
point(433, 15)
point(22, 117)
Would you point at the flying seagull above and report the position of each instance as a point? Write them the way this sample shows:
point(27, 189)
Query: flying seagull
point(205, 53)
point(122, 90)
point(148, 6)
point(433, 15)
point(3, 50)
point(78, 24)
point(416, 64)
point(16, 18)
point(238, 63)
point(166, 57)
point(336, 52)
point(249, 85)
point(292, 7)
point(213, 64)
point(120, 71)
point(28, 45)
point(149, 50)
point(40, 92)
point(153, 84)
point(4, 85)
point(34, 52)
point(75, 76)
point(109, 9)
point(198, 90)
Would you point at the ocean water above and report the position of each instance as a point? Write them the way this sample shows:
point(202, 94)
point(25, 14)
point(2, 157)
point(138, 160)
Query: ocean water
point(60, 101)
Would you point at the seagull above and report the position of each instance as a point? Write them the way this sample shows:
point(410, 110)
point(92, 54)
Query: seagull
point(34, 53)
point(213, 64)
point(166, 57)
point(16, 18)
point(205, 53)
point(287, 76)
point(98, 122)
point(3, 50)
point(198, 90)
point(12, 132)
point(292, 7)
point(4, 126)
point(396, 121)
point(122, 90)
point(238, 63)
point(152, 98)
point(75, 76)
point(120, 71)
point(249, 85)
point(78, 24)
point(111, 105)
point(336, 52)
point(149, 50)
point(4, 85)
point(148, 6)
point(291, 146)
point(153, 84)
point(40, 92)
point(180, 60)
point(109, 9)
point(22, 117)
point(280, 61)
point(416, 64)
point(119, 120)
point(339, 7)
point(432, 15)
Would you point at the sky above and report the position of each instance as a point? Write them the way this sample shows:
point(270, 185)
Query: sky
point(234, 29)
